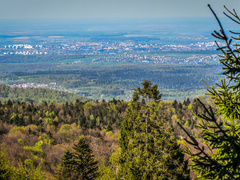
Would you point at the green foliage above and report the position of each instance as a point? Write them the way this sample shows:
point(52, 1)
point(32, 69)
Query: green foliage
point(86, 115)
point(106, 172)
point(219, 155)
point(80, 164)
point(46, 139)
point(27, 170)
point(18, 129)
point(36, 150)
point(5, 168)
point(148, 148)
point(68, 133)
point(110, 171)
point(37, 95)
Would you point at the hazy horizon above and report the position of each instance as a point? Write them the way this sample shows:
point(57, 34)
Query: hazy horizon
point(78, 9)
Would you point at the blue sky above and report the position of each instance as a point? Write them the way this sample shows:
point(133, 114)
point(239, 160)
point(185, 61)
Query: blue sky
point(111, 8)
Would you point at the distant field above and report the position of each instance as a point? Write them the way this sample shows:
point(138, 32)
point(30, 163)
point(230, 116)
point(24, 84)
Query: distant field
point(113, 80)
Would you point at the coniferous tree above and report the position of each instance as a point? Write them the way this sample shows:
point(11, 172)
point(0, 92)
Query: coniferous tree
point(79, 164)
point(66, 166)
point(84, 160)
point(148, 148)
point(219, 157)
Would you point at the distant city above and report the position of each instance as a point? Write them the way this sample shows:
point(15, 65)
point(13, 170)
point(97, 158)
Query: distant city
point(117, 51)
point(52, 86)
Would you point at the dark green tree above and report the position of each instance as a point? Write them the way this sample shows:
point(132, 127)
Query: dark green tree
point(218, 156)
point(79, 164)
point(66, 166)
point(148, 148)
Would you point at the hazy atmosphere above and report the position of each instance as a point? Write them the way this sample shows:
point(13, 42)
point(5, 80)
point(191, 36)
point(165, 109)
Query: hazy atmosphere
point(110, 8)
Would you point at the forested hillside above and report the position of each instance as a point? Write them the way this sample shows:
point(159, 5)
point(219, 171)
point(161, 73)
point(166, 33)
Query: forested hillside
point(35, 136)
point(37, 95)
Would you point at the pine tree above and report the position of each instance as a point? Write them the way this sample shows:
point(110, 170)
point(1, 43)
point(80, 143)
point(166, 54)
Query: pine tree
point(79, 164)
point(148, 148)
point(220, 157)
point(84, 161)
point(66, 166)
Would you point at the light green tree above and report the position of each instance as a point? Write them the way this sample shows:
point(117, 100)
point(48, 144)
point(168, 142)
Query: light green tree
point(27, 170)
point(218, 155)
point(110, 169)
point(5, 168)
point(148, 148)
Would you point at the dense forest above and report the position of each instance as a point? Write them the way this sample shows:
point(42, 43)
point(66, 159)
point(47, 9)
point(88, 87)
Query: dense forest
point(40, 133)
point(37, 95)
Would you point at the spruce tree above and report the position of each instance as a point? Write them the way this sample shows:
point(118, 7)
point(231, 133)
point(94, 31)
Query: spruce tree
point(79, 164)
point(218, 157)
point(66, 166)
point(148, 148)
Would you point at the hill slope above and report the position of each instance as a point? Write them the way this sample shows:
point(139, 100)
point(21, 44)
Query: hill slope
point(37, 95)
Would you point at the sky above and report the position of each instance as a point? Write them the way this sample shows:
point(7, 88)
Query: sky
point(61, 9)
